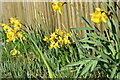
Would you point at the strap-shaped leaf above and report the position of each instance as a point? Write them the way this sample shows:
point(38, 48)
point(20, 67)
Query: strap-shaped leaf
point(83, 28)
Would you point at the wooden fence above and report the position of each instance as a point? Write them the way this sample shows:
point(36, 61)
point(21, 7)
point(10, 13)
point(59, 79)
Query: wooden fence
point(29, 11)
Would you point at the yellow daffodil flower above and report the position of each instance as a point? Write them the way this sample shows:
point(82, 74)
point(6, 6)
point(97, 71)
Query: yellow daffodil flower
point(12, 20)
point(104, 17)
point(14, 52)
point(99, 16)
point(57, 6)
point(68, 34)
point(15, 21)
point(11, 36)
point(7, 40)
point(19, 34)
point(66, 41)
point(56, 45)
point(24, 38)
point(76, 35)
point(98, 9)
point(61, 33)
point(96, 17)
point(60, 39)
point(52, 45)
point(53, 35)
point(57, 31)
point(46, 38)
point(51, 39)
point(16, 28)
point(6, 27)
point(73, 41)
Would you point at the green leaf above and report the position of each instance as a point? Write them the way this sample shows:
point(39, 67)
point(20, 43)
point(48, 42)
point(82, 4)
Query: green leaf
point(85, 21)
point(66, 68)
point(113, 72)
point(118, 75)
point(87, 46)
point(104, 56)
point(95, 35)
point(94, 64)
point(86, 68)
point(78, 63)
point(88, 41)
point(83, 28)
point(51, 74)
point(78, 71)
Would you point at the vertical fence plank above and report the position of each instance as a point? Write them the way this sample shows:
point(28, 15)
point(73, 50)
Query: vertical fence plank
point(1, 11)
point(69, 15)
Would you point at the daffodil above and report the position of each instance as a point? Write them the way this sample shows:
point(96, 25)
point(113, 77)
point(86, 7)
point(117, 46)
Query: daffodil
point(19, 34)
point(6, 27)
point(57, 6)
point(99, 16)
point(52, 45)
point(98, 9)
point(76, 35)
point(96, 17)
point(46, 38)
point(104, 17)
point(14, 52)
point(73, 41)
point(61, 33)
point(51, 39)
point(56, 45)
point(15, 21)
point(57, 31)
point(11, 36)
point(7, 40)
point(66, 41)
point(24, 38)
point(60, 39)
point(12, 20)
point(16, 28)
point(68, 34)
point(53, 35)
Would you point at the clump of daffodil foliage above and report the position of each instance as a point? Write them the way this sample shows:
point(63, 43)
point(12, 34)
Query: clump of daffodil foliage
point(59, 38)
